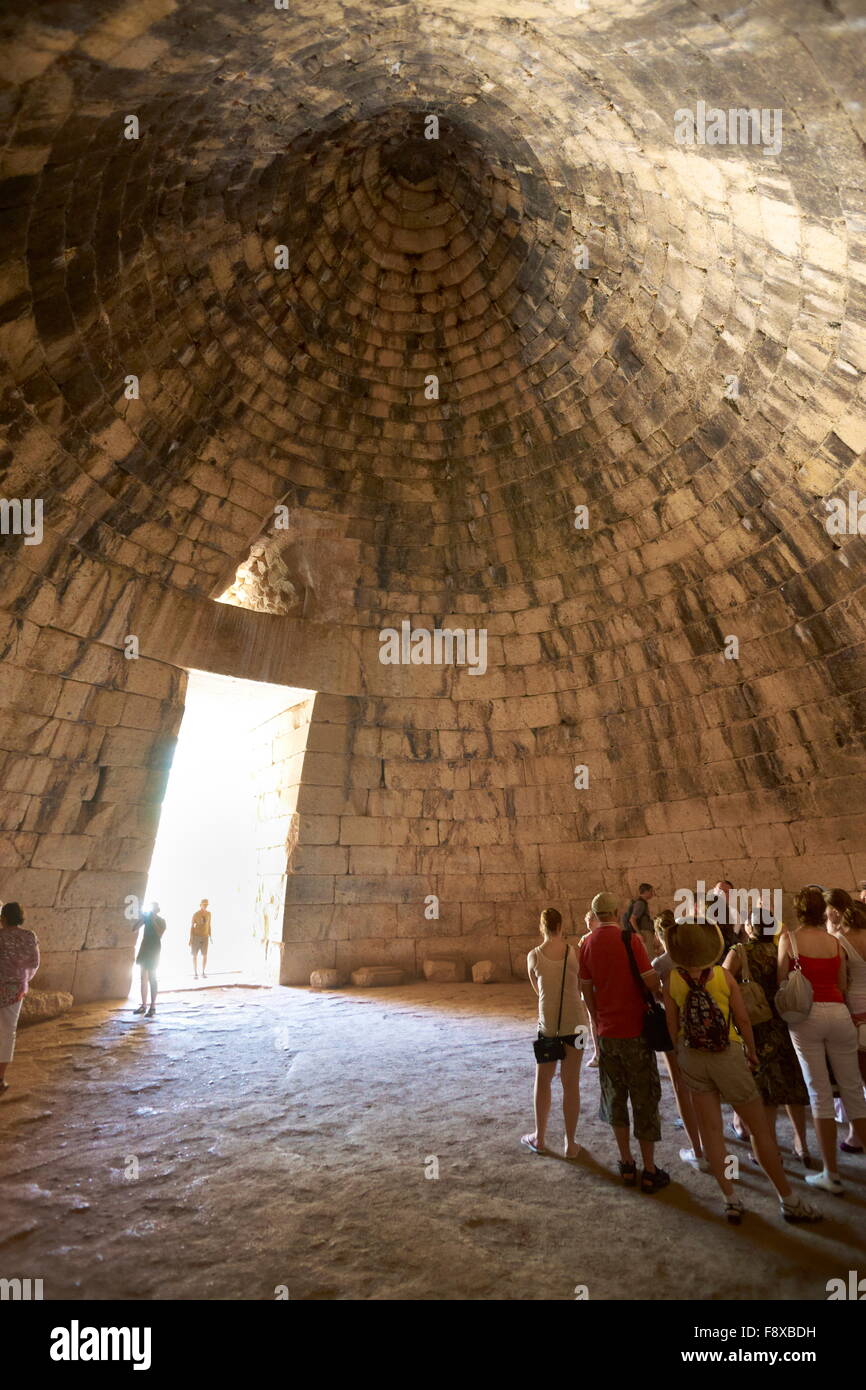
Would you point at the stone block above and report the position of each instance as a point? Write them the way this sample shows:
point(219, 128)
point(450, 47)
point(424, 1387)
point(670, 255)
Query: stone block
point(56, 969)
point(374, 976)
point(30, 887)
point(443, 970)
point(327, 979)
point(380, 950)
point(487, 972)
point(41, 1004)
point(58, 930)
point(297, 962)
point(102, 974)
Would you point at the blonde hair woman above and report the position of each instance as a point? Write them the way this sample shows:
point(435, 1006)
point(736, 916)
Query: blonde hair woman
point(554, 975)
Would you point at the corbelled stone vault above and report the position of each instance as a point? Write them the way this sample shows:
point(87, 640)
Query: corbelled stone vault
point(350, 316)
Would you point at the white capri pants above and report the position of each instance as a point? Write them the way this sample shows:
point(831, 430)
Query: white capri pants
point(8, 1024)
point(829, 1031)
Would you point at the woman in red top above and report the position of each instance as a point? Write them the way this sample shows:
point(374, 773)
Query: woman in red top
point(828, 1032)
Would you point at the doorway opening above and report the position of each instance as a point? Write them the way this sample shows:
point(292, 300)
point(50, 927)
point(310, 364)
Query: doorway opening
point(218, 837)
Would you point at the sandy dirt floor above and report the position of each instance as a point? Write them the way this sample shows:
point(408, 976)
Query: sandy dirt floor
point(248, 1139)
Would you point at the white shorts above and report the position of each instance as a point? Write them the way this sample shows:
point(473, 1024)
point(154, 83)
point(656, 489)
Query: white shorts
point(8, 1024)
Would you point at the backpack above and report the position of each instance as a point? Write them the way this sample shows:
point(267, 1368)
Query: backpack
point(705, 1027)
point(627, 915)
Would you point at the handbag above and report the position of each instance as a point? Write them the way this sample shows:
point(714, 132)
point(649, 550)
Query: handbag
point(754, 998)
point(795, 995)
point(655, 1024)
point(553, 1049)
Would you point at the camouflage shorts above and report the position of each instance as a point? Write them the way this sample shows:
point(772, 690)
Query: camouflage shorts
point(627, 1070)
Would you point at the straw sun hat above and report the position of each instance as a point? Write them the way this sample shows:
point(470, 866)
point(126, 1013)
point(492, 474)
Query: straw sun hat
point(694, 945)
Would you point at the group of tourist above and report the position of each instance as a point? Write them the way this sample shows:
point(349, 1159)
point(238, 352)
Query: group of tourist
point(19, 961)
point(150, 949)
point(747, 1014)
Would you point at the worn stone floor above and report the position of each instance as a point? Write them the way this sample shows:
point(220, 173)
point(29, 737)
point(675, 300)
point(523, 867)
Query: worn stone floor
point(254, 1138)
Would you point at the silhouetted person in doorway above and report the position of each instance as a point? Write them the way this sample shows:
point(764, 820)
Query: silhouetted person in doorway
point(148, 956)
point(200, 938)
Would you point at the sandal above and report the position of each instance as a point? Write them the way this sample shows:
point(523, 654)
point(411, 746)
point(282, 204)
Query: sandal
point(139, 1011)
point(804, 1157)
point(654, 1181)
point(528, 1142)
point(799, 1213)
point(734, 1211)
point(850, 1148)
point(628, 1173)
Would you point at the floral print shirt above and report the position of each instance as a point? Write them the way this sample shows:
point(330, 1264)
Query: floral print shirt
point(19, 961)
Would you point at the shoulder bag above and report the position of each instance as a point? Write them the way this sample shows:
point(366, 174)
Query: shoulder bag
point(795, 996)
point(754, 998)
point(655, 1024)
point(553, 1049)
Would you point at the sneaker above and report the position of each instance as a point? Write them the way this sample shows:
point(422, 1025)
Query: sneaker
point(795, 1210)
point(654, 1181)
point(827, 1182)
point(689, 1156)
point(734, 1210)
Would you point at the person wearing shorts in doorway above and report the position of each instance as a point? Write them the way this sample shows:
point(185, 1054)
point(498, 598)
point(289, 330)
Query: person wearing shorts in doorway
point(200, 938)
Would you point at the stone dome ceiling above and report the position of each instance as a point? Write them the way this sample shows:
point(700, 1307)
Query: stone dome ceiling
point(583, 287)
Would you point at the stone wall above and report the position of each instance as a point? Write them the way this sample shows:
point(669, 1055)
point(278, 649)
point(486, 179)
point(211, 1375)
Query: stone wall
point(278, 748)
point(88, 738)
point(556, 304)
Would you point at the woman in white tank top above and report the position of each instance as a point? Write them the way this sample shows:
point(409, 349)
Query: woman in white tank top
point(846, 919)
point(555, 976)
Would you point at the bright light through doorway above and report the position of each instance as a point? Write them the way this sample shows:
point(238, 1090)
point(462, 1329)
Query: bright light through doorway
point(205, 845)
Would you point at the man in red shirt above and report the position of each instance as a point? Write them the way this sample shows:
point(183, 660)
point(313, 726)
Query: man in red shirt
point(627, 1067)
